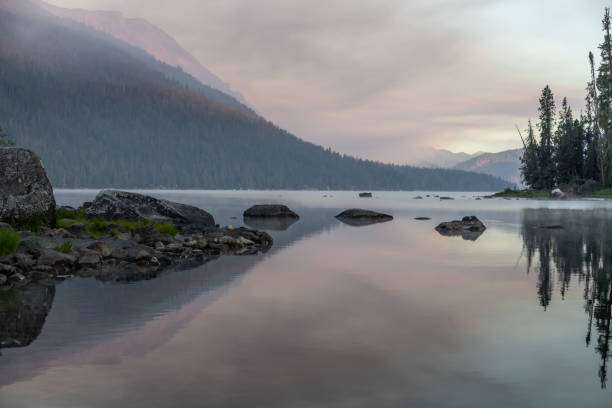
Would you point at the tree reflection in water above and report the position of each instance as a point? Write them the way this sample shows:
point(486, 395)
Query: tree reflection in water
point(582, 251)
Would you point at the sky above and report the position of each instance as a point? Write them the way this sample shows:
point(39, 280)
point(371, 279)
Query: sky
point(381, 78)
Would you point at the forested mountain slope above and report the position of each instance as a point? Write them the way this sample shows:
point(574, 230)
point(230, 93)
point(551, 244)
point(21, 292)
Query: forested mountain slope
point(98, 116)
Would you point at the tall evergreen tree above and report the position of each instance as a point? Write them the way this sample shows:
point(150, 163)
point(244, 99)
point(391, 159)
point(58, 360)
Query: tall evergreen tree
point(604, 85)
point(546, 179)
point(592, 162)
point(530, 159)
point(563, 145)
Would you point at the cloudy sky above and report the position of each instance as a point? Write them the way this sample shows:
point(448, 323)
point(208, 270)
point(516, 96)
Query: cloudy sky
point(377, 78)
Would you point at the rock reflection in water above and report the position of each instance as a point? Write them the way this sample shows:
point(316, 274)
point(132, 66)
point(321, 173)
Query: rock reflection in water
point(23, 313)
point(580, 251)
point(270, 223)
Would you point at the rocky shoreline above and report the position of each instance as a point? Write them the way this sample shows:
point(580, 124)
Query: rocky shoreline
point(110, 251)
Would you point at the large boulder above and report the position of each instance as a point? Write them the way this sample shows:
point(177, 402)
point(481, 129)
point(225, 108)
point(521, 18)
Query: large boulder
point(113, 204)
point(26, 196)
point(469, 228)
point(358, 217)
point(269, 210)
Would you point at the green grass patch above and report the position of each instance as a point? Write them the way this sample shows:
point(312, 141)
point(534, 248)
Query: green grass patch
point(64, 247)
point(99, 226)
point(9, 240)
point(165, 228)
point(9, 298)
point(601, 193)
point(33, 224)
point(509, 193)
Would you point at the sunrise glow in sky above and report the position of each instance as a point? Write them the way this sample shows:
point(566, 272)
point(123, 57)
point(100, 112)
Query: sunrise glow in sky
point(376, 78)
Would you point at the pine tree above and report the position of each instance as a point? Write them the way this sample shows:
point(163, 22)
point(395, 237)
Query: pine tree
point(4, 139)
point(546, 177)
point(604, 85)
point(592, 162)
point(563, 145)
point(530, 159)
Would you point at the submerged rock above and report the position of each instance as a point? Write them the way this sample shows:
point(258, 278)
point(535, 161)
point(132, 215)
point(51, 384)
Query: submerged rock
point(365, 195)
point(469, 228)
point(269, 210)
point(358, 217)
point(422, 218)
point(113, 204)
point(25, 192)
point(446, 198)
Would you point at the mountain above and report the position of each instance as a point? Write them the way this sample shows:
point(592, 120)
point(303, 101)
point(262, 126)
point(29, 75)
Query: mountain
point(142, 34)
point(437, 158)
point(505, 165)
point(99, 115)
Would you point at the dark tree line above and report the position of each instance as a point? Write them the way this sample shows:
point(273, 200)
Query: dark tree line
point(581, 252)
point(101, 114)
point(571, 148)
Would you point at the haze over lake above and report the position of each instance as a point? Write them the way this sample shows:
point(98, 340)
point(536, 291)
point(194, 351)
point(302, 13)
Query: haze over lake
point(386, 315)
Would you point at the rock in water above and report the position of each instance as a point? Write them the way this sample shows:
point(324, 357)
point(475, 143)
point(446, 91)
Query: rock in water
point(113, 204)
point(269, 210)
point(365, 195)
point(25, 191)
point(557, 194)
point(469, 228)
point(358, 217)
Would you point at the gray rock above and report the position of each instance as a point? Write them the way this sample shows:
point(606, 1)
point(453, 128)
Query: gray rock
point(269, 210)
point(557, 194)
point(358, 217)
point(417, 198)
point(100, 247)
point(446, 198)
point(77, 228)
point(3, 279)
point(26, 192)
point(113, 204)
point(422, 218)
point(4, 225)
point(365, 195)
point(54, 258)
point(29, 246)
point(469, 228)
point(89, 259)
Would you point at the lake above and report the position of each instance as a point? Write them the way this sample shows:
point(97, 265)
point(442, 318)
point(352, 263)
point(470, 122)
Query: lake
point(385, 315)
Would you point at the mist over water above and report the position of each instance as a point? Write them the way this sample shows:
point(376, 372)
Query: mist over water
point(386, 315)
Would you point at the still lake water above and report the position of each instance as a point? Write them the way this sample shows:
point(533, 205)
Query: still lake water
point(387, 315)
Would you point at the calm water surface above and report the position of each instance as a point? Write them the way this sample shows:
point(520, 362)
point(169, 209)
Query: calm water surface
point(387, 315)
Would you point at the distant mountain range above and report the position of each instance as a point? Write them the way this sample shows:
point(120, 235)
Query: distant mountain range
point(505, 165)
point(142, 34)
point(437, 158)
point(101, 112)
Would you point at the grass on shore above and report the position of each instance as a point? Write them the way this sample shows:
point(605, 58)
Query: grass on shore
point(64, 247)
point(600, 193)
point(508, 193)
point(99, 226)
point(9, 240)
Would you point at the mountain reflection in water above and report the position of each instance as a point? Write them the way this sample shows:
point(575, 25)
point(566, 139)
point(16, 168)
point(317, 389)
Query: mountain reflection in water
point(581, 251)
